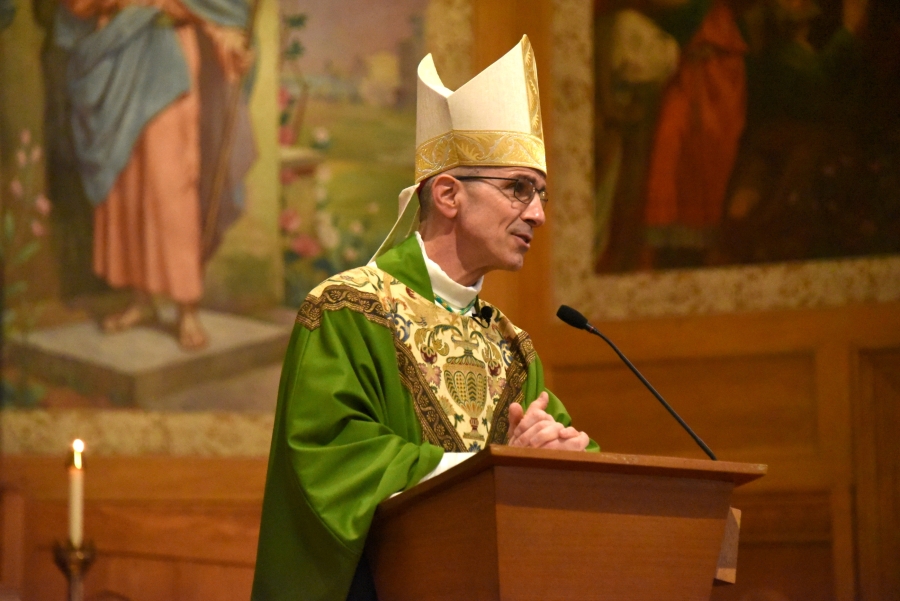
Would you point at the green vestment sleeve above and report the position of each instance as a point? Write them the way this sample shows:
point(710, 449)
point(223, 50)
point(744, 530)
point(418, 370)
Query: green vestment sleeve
point(342, 410)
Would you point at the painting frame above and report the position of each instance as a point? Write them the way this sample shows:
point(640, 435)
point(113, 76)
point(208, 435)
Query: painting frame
point(679, 292)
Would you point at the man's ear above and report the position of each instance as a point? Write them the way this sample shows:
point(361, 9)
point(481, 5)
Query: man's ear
point(445, 192)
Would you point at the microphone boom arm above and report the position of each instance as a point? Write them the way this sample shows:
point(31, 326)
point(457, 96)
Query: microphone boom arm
point(575, 319)
point(649, 386)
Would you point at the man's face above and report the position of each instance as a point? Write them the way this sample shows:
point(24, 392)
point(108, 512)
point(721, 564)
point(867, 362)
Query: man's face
point(495, 229)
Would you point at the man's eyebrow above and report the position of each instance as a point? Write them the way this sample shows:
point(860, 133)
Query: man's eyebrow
point(529, 176)
point(534, 181)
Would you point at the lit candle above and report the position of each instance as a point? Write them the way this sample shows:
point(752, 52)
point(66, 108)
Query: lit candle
point(76, 495)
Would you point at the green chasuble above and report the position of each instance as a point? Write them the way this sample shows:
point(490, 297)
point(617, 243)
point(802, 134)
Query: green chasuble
point(378, 382)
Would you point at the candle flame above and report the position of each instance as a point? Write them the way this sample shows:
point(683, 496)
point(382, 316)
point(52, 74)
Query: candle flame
point(78, 447)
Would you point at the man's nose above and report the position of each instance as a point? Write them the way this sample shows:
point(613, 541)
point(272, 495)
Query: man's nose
point(534, 212)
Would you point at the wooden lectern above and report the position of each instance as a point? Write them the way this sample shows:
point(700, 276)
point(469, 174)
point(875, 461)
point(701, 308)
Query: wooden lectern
point(520, 524)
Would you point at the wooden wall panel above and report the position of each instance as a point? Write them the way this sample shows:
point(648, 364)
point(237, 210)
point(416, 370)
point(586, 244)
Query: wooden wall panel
point(43, 580)
point(812, 393)
point(143, 579)
point(779, 572)
point(877, 459)
point(763, 403)
point(136, 578)
point(12, 539)
point(140, 478)
point(201, 582)
point(757, 407)
point(164, 528)
point(785, 550)
point(223, 532)
point(185, 528)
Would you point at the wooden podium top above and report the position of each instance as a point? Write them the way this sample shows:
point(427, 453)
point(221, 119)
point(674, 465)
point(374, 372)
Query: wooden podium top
point(644, 465)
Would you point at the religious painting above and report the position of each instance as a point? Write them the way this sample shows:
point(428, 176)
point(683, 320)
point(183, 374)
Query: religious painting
point(279, 156)
point(347, 101)
point(737, 132)
point(731, 155)
point(128, 154)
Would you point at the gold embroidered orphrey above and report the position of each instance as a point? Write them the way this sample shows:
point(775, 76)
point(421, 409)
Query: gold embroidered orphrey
point(461, 375)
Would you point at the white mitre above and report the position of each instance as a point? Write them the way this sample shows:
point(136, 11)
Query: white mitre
point(493, 120)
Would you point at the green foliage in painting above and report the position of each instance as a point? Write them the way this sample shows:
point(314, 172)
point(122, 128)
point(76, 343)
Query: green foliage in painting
point(348, 143)
point(294, 50)
point(295, 21)
point(338, 223)
point(24, 226)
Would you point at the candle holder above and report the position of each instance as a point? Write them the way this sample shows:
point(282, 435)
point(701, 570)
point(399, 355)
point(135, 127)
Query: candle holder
point(74, 563)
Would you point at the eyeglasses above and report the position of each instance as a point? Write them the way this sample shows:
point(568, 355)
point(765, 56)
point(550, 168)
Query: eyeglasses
point(523, 191)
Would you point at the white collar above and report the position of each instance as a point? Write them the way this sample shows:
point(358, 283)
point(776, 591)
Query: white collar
point(444, 287)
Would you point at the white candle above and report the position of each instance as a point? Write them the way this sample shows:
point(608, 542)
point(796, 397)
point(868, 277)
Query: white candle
point(76, 495)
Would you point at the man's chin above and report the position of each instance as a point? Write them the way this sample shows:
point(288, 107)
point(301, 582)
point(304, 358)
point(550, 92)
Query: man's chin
point(515, 264)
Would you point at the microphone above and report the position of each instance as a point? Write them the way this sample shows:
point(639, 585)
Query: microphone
point(577, 320)
point(482, 314)
point(486, 313)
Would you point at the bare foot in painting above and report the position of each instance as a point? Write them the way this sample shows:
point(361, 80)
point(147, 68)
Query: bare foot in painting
point(137, 313)
point(191, 335)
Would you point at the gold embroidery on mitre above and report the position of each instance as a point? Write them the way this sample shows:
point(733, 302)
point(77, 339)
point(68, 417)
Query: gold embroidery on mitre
point(531, 87)
point(480, 148)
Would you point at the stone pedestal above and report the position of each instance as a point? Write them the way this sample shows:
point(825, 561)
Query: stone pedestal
point(141, 365)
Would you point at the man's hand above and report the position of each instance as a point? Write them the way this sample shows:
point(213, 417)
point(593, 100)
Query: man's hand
point(537, 429)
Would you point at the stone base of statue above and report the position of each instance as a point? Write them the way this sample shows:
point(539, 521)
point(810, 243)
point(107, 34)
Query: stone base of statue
point(139, 366)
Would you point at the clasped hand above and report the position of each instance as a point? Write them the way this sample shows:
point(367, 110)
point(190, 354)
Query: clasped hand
point(537, 429)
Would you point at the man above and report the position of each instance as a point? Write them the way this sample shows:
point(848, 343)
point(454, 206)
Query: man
point(394, 364)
